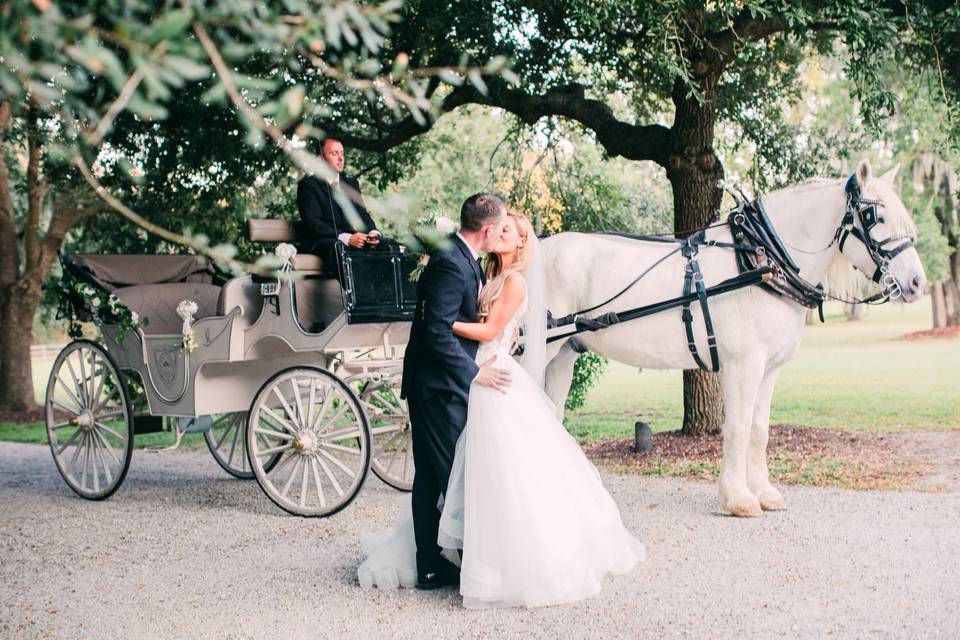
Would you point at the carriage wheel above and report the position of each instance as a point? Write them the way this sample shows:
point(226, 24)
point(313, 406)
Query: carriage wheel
point(89, 420)
point(392, 459)
point(308, 441)
point(226, 440)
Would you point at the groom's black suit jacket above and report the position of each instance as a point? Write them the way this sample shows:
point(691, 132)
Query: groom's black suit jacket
point(436, 361)
point(325, 218)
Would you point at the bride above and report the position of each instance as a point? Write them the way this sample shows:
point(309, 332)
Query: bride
point(528, 510)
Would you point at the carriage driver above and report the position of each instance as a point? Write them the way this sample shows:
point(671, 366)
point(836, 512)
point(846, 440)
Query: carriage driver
point(326, 222)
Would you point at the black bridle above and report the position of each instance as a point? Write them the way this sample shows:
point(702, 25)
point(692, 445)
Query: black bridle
point(867, 214)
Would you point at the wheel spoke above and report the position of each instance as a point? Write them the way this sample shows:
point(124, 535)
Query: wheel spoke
point(69, 441)
point(327, 393)
point(111, 431)
point(316, 478)
point(63, 385)
point(226, 433)
point(233, 445)
point(283, 424)
point(347, 470)
point(304, 484)
point(346, 433)
point(106, 445)
point(84, 380)
point(390, 440)
point(86, 460)
point(382, 431)
point(106, 465)
point(351, 450)
point(342, 410)
point(333, 480)
point(273, 434)
point(286, 407)
point(296, 394)
point(93, 464)
point(311, 402)
point(293, 474)
point(273, 450)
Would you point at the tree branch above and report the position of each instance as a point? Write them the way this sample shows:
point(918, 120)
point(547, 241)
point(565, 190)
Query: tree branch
point(146, 225)
point(634, 142)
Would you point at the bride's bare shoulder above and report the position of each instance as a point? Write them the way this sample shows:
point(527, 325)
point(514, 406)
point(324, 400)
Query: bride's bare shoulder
point(515, 285)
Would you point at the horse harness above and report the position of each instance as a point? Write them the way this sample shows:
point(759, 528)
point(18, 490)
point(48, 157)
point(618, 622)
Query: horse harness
point(762, 259)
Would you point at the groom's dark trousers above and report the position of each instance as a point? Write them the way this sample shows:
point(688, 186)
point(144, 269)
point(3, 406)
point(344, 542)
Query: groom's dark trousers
point(438, 368)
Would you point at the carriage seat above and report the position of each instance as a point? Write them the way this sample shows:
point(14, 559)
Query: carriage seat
point(153, 285)
point(318, 296)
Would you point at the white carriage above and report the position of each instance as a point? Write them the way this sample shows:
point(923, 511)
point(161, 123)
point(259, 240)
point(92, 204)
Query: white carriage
point(293, 380)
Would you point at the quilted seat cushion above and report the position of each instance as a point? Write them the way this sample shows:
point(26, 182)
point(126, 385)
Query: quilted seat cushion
point(158, 303)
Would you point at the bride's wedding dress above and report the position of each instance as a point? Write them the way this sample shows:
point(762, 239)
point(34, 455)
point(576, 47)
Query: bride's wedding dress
point(524, 503)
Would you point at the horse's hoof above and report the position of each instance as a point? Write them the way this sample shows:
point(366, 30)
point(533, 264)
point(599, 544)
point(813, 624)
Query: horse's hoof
point(773, 503)
point(745, 507)
point(746, 510)
point(770, 499)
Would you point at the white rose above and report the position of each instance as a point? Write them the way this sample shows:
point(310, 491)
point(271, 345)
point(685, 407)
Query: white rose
point(186, 309)
point(445, 224)
point(285, 251)
point(134, 317)
point(95, 303)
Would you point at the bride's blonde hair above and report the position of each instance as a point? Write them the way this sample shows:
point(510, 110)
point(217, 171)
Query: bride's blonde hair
point(496, 274)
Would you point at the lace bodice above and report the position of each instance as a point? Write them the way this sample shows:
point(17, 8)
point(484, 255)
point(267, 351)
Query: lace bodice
point(504, 341)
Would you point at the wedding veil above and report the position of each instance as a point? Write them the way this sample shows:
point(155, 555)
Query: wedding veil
point(535, 319)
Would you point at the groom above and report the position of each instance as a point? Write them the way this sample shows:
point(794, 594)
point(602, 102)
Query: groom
point(438, 368)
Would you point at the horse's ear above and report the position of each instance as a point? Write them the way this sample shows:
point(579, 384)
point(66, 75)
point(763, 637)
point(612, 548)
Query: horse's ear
point(864, 172)
point(890, 175)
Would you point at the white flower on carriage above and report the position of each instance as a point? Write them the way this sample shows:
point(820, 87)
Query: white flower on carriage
point(114, 303)
point(95, 302)
point(445, 224)
point(134, 317)
point(285, 251)
point(186, 309)
point(88, 290)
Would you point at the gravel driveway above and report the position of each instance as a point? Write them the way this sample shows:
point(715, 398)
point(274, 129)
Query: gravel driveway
point(183, 551)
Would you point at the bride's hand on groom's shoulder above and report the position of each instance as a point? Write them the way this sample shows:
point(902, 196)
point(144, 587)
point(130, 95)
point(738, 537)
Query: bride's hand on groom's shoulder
point(491, 376)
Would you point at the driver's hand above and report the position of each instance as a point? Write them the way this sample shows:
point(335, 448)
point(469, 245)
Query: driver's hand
point(357, 240)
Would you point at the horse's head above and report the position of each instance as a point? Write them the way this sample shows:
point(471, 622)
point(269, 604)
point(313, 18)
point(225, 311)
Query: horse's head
point(877, 234)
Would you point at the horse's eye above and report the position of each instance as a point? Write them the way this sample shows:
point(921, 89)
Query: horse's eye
point(881, 219)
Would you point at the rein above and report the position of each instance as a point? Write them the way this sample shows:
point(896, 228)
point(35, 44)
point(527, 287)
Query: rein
point(759, 250)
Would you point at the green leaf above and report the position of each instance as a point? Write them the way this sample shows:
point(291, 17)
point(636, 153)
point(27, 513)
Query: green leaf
point(450, 77)
point(187, 68)
point(171, 24)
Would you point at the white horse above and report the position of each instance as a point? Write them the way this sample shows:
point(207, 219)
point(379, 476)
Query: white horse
point(757, 331)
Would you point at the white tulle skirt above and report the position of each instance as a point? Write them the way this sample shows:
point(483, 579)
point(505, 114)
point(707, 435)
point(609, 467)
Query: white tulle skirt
point(524, 503)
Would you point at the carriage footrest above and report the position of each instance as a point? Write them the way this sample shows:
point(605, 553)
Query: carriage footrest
point(147, 424)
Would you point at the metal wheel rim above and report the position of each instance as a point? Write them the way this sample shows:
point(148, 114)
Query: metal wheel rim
point(89, 420)
point(227, 441)
point(308, 441)
point(392, 452)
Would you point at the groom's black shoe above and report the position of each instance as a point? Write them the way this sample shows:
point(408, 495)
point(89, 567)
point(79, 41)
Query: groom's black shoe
point(446, 575)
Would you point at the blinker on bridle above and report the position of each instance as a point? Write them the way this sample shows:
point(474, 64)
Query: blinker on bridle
point(866, 211)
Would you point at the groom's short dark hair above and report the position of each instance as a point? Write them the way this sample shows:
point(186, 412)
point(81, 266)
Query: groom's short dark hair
point(480, 209)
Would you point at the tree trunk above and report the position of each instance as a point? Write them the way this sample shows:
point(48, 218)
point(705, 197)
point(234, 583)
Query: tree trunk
point(16, 335)
point(939, 305)
point(951, 291)
point(694, 170)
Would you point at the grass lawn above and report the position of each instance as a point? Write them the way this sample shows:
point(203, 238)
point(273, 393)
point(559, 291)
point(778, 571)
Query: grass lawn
point(850, 375)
